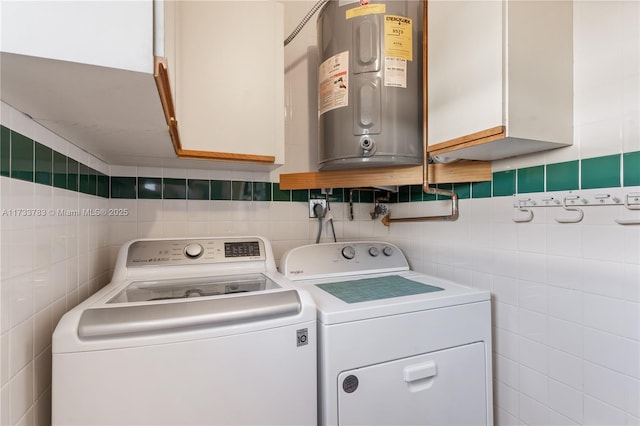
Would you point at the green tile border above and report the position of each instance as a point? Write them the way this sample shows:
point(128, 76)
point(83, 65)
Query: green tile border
point(5, 151)
point(415, 193)
point(504, 183)
point(481, 189)
point(150, 188)
point(446, 187)
point(198, 189)
point(337, 195)
point(241, 191)
point(631, 169)
point(59, 170)
point(530, 179)
point(404, 194)
point(563, 176)
point(280, 194)
point(27, 159)
point(22, 157)
point(261, 191)
point(43, 164)
point(220, 189)
point(174, 189)
point(300, 195)
point(366, 197)
point(124, 187)
point(73, 178)
point(600, 172)
point(463, 190)
point(316, 194)
point(88, 180)
point(103, 185)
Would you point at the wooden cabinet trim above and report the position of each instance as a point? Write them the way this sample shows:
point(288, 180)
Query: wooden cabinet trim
point(164, 89)
point(462, 172)
point(473, 139)
point(226, 156)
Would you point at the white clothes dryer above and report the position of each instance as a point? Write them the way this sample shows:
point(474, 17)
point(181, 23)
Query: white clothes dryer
point(396, 347)
point(199, 331)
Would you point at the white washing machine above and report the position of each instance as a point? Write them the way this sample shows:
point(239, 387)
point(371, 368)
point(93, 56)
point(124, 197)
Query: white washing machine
point(396, 347)
point(189, 332)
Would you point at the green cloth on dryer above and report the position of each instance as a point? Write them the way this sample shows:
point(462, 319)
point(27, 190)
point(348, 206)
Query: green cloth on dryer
point(368, 289)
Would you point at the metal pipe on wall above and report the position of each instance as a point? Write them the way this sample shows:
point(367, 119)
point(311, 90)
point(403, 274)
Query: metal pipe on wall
point(426, 188)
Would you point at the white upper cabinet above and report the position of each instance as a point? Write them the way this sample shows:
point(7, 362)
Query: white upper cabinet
point(500, 78)
point(85, 70)
point(226, 62)
point(114, 34)
point(125, 79)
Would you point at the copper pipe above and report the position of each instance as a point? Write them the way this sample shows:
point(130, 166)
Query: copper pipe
point(425, 162)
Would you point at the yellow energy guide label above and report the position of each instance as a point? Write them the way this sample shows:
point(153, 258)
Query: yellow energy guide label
point(398, 38)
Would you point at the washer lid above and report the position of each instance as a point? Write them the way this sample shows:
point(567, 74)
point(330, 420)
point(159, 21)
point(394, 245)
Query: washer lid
point(374, 295)
point(186, 288)
point(137, 320)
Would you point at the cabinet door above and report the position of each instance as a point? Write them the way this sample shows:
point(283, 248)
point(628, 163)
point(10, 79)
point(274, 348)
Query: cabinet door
point(464, 68)
point(229, 84)
point(112, 34)
point(446, 387)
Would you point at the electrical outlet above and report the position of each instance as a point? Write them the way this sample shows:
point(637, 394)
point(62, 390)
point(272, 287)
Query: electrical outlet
point(313, 202)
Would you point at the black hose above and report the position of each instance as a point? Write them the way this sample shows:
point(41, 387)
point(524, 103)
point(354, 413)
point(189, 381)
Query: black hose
point(319, 211)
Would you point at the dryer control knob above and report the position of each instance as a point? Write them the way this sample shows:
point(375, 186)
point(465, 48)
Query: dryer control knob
point(193, 251)
point(373, 251)
point(348, 252)
point(388, 251)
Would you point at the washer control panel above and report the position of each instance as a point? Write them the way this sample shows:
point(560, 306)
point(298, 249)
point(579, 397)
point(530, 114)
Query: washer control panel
point(349, 258)
point(196, 251)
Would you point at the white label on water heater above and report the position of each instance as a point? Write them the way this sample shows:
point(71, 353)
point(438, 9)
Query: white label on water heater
point(333, 83)
point(395, 72)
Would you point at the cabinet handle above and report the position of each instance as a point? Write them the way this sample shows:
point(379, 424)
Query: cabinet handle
point(420, 371)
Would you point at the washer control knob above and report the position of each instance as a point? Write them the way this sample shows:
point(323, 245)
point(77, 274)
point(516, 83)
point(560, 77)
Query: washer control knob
point(373, 251)
point(348, 252)
point(193, 250)
point(388, 251)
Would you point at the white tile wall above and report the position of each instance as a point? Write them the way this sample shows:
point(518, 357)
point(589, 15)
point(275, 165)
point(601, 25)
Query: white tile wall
point(48, 264)
point(566, 294)
point(566, 297)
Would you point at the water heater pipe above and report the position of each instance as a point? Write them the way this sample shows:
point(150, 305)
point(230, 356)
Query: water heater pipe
point(304, 21)
point(387, 220)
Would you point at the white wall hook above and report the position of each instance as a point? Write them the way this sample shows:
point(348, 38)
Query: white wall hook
point(636, 199)
point(571, 209)
point(527, 218)
point(527, 212)
point(550, 201)
point(627, 222)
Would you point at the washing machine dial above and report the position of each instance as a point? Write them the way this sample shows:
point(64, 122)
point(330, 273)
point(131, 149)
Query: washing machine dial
point(348, 252)
point(373, 251)
point(193, 250)
point(388, 251)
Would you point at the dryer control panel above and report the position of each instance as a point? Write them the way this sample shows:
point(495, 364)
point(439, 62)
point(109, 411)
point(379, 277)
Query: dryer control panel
point(194, 251)
point(342, 259)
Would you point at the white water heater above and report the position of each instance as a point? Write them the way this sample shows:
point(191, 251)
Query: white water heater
point(370, 84)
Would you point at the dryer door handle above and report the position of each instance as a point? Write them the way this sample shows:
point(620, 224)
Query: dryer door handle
point(423, 371)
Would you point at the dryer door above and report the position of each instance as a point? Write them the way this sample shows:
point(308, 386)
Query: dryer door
point(439, 388)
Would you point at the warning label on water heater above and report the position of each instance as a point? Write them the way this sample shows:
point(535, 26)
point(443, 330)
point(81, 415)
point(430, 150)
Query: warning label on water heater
point(333, 83)
point(395, 72)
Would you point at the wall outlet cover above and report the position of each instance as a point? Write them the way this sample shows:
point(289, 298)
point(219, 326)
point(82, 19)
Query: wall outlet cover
point(313, 202)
